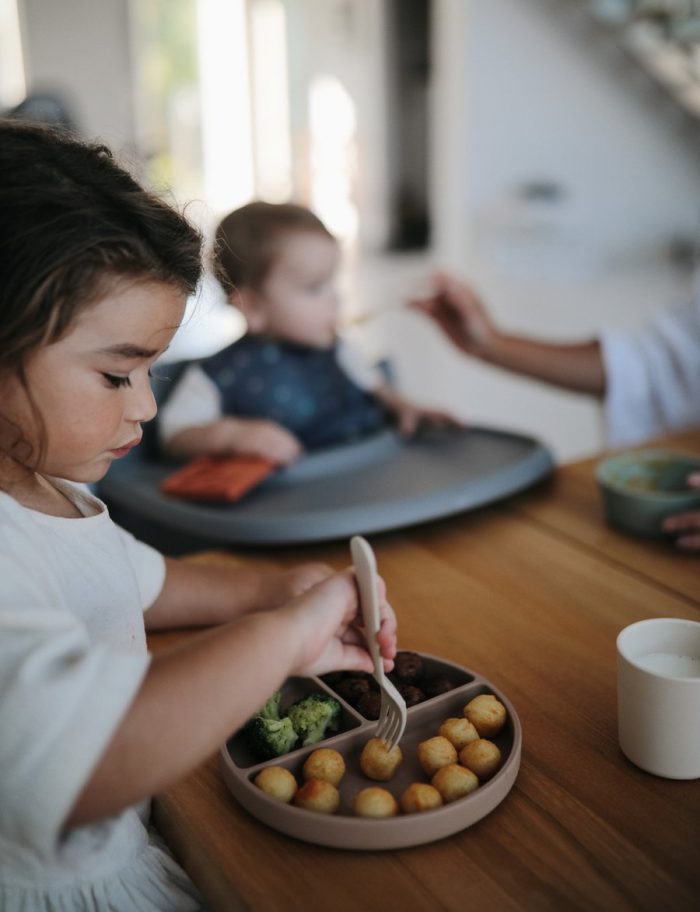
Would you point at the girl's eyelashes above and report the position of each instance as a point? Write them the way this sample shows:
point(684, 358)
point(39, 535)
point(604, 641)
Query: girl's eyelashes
point(117, 381)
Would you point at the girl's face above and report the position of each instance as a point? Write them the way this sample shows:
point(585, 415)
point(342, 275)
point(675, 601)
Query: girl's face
point(92, 386)
point(298, 300)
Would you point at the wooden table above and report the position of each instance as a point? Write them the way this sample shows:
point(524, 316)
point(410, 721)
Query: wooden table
point(532, 593)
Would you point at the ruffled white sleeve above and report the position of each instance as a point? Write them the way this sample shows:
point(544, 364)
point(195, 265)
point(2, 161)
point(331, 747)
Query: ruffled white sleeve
point(148, 565)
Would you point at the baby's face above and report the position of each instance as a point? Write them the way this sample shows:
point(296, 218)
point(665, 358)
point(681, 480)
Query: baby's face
point(298, 301)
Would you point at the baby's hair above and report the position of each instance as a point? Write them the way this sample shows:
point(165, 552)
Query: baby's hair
point(247, 240)
point(71, 221)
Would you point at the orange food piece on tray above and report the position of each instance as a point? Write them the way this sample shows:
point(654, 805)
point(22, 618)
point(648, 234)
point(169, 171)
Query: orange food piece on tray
point(212, 478)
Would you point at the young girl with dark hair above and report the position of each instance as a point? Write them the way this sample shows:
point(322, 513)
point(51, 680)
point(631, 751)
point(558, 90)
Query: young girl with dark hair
point(94, 274)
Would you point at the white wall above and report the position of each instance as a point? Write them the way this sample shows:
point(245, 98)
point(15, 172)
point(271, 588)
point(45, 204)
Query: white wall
point(80, 48)
point(544, 96)
point(523, 90)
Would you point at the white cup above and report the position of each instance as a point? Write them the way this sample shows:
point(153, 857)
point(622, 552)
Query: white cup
point(658, 696)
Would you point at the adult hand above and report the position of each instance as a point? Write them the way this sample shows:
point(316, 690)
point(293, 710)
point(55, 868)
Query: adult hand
point(686, 525)
point(460, 313)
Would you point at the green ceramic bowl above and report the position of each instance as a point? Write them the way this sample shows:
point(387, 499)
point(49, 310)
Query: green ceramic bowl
point(641, 488)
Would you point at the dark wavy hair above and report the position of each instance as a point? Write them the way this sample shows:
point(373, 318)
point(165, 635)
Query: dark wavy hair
point(71, 220)
point(247, 240)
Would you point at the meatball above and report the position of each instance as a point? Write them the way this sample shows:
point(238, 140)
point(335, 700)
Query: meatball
point(352, 689)
point(487, 714)
point(375, 802)
point(420, 796)
point(434, 753)
point(369, 705)
point(277, 782)
point(436, 685)
point(411, 695)
point(334, 677)
point(379, 763)
point(408, 667)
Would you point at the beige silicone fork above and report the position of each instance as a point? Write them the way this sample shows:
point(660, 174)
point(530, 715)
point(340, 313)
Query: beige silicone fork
point(392, 715)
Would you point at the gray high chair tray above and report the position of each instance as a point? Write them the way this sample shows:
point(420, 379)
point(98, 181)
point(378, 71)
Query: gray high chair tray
point(378, 484)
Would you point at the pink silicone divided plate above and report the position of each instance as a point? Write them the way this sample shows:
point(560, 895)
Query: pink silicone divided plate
point(343, 829)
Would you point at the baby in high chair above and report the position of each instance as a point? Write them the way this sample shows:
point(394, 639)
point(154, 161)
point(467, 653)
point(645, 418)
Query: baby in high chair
point(289, 384)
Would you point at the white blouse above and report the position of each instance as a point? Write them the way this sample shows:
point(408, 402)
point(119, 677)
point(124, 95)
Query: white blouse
point(72, 656)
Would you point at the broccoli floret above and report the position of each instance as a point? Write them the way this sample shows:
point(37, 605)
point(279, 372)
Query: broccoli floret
point(268, 738)
point(271, 708)
point(315, 717)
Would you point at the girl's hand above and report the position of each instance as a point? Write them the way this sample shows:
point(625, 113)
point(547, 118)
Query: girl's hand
point(278, 588)
point(460, 313)
point(328, 621)
point(686, 524)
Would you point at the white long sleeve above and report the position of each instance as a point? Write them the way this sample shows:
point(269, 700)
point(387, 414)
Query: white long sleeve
point(653, 376)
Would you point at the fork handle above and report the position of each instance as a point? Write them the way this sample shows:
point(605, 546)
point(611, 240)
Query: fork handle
point(365, 566)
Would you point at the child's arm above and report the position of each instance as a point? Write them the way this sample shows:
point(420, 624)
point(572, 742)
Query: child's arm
point(195, 595)
point(463, 318)
point(191, 424)
point(230, 436)
point(195, 695)
point(409, 415)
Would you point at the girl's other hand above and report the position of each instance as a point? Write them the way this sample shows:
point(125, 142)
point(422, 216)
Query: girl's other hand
point(328, 620)
point(460, 313)
point(686, 524)
point(283, 586)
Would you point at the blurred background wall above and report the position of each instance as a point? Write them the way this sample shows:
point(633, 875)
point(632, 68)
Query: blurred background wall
point(81, 52)
point(547, 150)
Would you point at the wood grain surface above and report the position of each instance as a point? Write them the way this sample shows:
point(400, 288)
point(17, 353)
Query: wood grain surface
point(531, 593)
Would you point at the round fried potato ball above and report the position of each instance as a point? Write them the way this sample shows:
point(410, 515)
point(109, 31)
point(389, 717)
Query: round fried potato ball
point(458, 731)
point(324, 763)
point(277, 782)
point(420, 796)
point(379, 763)
point(487, 714)
point(375, 802)
point(436, 752)
point(318, 795)
point(481, 757)
point(454, 781)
